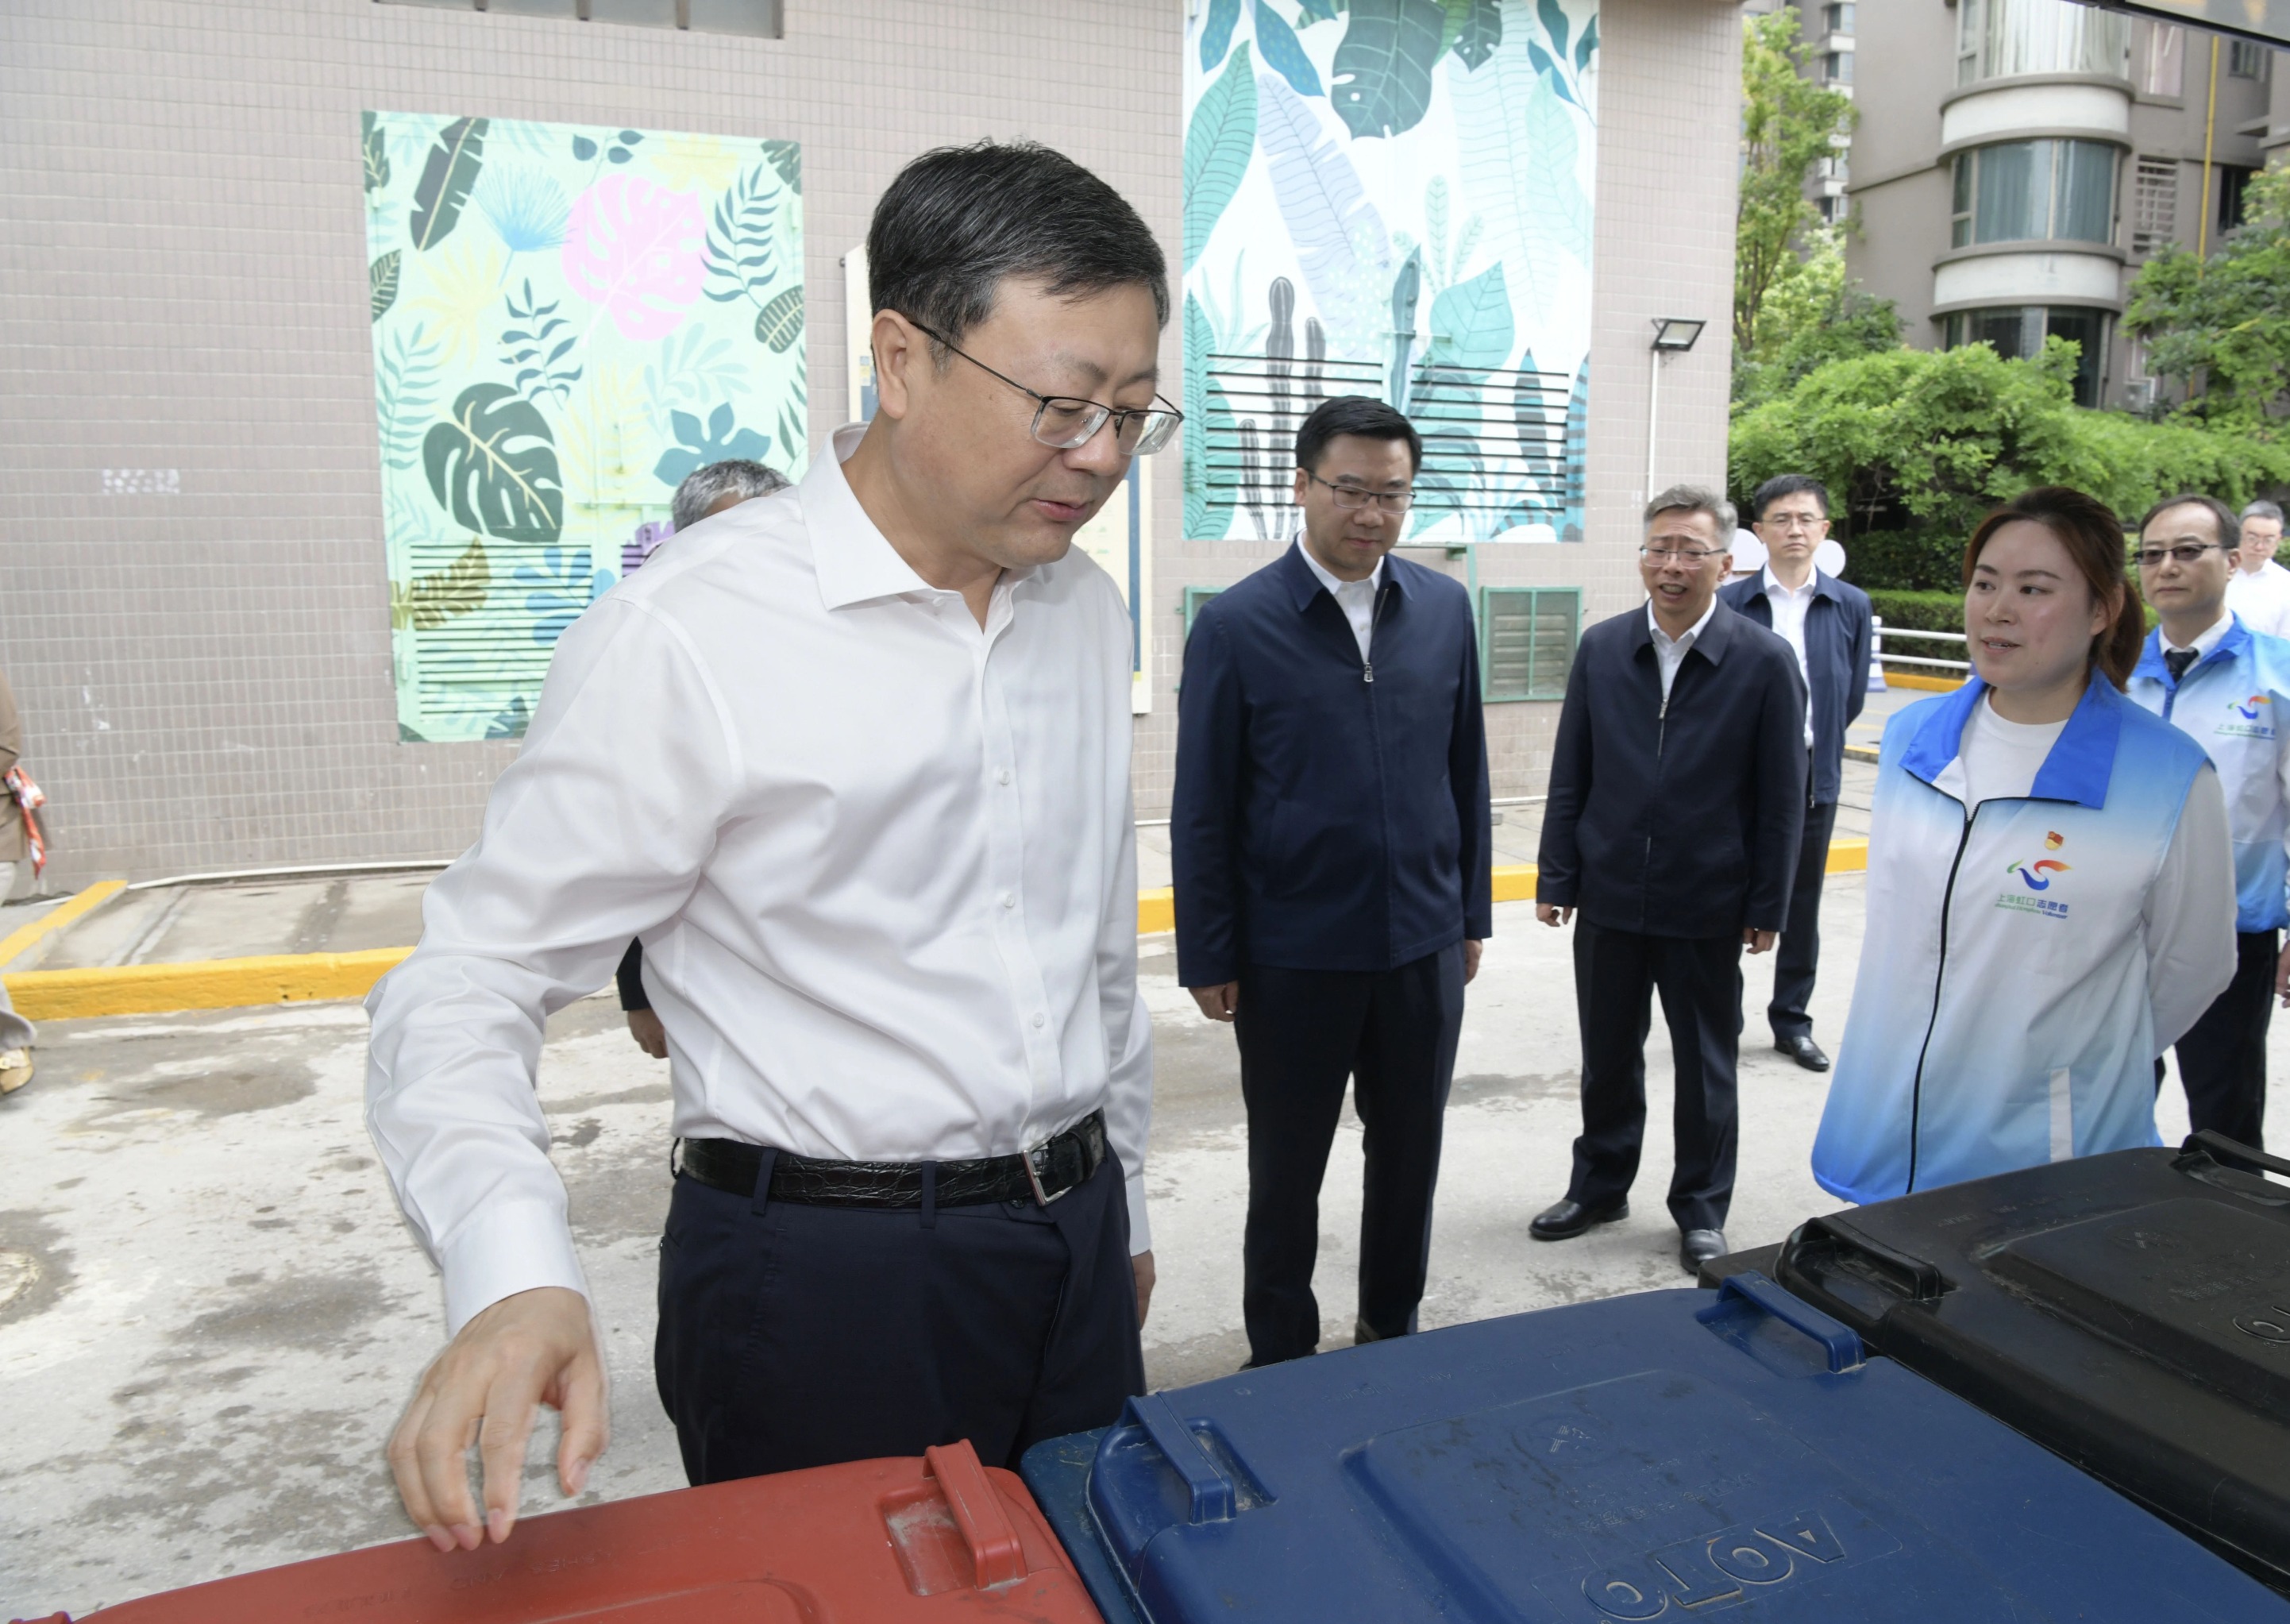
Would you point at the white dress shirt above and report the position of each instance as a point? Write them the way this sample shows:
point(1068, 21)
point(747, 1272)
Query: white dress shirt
point(1790, 607)
point(882, 863)
point(2261, 597)
point(2193, 886)
point(2204, 644)
point(1669, 653)
point(1355, 598)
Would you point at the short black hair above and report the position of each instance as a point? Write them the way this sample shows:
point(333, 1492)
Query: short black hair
point(1360, 414)
point(957, 220)
point(1788, 485)
point(2224, 526)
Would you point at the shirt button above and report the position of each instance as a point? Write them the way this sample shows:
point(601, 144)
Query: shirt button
point(1002, 777)
point(1040, 1020)
point(1009, 900)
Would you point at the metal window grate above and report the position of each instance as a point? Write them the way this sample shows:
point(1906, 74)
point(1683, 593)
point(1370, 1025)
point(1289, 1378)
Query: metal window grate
point(2154, 205)
point(1526, 640)
point(1195, 597)
point(1489, 433)
point(759, 19)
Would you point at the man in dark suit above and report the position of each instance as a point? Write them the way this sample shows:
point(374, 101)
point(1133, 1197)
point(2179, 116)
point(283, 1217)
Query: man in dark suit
point(1826, 622)
point(1677, 804)
point(1331, 839)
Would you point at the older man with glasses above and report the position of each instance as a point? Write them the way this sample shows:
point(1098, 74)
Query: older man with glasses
point(1331, 838)
point(853, 764)
point(2258, 590)
point(2227, 686)
point(1678, 795)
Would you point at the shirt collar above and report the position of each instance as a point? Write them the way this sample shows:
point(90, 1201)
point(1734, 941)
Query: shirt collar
point(2224, 640)
point(1692, 634)
point(1770, 584)
point(2079, 767)
point(854, 559)
point(1320, 571)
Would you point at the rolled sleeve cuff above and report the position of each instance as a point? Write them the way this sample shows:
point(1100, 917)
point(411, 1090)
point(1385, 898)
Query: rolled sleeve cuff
point(1140, 1232)
point(519, 1246)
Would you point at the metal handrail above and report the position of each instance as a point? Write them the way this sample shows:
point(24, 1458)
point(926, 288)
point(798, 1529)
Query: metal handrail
point(1910, 631)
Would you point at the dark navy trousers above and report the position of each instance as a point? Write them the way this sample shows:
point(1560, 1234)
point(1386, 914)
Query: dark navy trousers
point(796, 1336)
point(1302, 1033)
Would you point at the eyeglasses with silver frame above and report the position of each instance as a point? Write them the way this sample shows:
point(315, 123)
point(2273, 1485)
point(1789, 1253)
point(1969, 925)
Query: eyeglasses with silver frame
point(1692, 556)
point(1066, 423)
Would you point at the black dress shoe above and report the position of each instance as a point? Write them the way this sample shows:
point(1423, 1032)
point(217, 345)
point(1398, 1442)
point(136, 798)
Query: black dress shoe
point(1696, 1247)
point(1804, 1051)
point(1562, 1221)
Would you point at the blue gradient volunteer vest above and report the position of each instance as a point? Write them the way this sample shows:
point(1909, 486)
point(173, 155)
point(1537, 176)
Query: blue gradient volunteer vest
point(2001, 1017)
point(2230, 703)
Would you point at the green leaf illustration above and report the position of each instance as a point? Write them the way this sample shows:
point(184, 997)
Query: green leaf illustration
point(1283, 54)
point(377, 152)
point(1382, 70)
point(1471, 323)
point(382, 280)
point(493, 466)
point(1553, 22)
point(779, 323)
point(786, 158)
point(1475, 29)
point(1584, 47)
point(1218, 144)
point(446, 178)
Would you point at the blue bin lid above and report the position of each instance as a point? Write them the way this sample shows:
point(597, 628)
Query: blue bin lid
point(1660, 1456)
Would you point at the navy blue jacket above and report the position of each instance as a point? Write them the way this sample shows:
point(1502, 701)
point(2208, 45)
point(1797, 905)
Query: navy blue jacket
point(1837, 648)
point(1677, 819)
point(1329, 816)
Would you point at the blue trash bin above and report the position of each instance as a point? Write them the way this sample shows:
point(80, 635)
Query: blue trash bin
point(1660, 1456)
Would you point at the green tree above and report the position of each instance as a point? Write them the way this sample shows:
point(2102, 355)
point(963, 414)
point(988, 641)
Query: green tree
point(2221, 326)
point(1787, 121)
point(1813, 314)
point(1929, 440)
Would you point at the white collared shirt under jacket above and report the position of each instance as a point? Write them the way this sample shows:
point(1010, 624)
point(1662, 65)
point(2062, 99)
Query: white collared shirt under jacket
point(1355, 598)
point(882, 863)
point(1790, 606)
point(1669, 653)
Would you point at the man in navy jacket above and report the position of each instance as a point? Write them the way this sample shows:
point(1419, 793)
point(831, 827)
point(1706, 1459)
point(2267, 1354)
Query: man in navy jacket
point(1330, 836)
point(1827, 624)
point(1676, 805)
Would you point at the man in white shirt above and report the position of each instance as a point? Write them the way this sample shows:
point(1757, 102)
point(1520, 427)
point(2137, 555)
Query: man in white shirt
point(2206, 672)
point(1828, 625)
point(2259, 588)
point(853, 761)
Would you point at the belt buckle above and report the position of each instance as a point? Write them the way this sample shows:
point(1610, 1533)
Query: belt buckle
point(1033, 1159)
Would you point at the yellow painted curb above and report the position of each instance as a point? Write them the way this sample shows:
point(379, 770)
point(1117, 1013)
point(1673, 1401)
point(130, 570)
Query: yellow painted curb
point(14, 945)
point(1933, 684)
point(201, 984)
point(297, 978)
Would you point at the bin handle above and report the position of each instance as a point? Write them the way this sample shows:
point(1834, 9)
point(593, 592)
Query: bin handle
point(1921, 1277)
point(995, 1550)
point(2233, 1153)
point(1843, 1346)
point(1210, 1492)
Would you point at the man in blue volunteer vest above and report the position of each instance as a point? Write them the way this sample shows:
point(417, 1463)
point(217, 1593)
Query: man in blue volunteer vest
point(2227, 687)
point(1330, 839)
point(1826, 622)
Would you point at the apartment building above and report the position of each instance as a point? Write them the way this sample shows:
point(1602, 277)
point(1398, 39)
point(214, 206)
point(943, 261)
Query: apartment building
point(2017, 161)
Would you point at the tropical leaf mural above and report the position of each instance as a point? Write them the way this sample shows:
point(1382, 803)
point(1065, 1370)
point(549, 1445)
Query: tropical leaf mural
point(1413, 211)
point(546, 368)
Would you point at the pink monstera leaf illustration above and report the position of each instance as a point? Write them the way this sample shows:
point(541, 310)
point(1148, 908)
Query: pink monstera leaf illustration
point(636, 249)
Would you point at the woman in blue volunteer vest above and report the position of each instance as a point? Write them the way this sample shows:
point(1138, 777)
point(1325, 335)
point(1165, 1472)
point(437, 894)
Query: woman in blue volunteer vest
point(2051, 883)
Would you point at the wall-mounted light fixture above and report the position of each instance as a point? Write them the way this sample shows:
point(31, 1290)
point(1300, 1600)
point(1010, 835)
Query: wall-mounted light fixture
point(1672, 335)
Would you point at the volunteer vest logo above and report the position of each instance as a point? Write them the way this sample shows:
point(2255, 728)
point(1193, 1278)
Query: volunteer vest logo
point(2038, 877)
point(2250, 718)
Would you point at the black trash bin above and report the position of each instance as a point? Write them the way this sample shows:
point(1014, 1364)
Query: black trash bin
point(2131, 1312)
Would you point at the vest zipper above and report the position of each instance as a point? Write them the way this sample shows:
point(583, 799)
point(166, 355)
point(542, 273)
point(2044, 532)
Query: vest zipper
point(1374, 619)
point(1940, 970)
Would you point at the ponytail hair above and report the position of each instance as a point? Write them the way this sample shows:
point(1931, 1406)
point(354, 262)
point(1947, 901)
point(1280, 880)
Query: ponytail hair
point(2092, 535)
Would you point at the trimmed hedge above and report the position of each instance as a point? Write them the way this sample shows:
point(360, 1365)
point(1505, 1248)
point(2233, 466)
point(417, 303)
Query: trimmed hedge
point(1905, 561)
point(1922, 612)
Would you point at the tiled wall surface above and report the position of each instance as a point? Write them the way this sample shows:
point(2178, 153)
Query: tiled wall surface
point(193, 608)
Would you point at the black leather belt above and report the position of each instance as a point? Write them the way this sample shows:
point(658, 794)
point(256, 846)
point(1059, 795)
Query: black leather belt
point(1050, 1169)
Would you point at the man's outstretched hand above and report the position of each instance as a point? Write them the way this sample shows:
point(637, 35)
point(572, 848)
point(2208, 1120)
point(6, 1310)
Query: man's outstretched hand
point(536, 1347)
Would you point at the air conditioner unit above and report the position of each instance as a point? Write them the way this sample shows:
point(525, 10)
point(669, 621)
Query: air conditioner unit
point(2139, 393)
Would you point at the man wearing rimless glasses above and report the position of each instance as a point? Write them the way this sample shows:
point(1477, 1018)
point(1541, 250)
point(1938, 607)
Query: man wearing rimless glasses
point(1329, 838)
point(852, 760)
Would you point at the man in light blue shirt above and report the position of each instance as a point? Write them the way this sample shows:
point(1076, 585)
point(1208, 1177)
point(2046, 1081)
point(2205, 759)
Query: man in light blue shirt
point(2228, 687)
